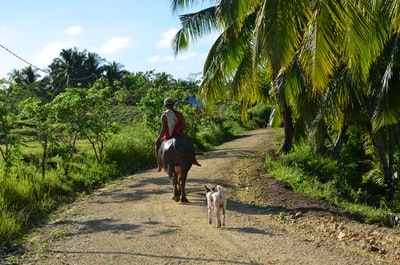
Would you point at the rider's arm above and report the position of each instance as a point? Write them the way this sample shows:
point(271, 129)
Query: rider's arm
point(163, 128)
point(181, 123)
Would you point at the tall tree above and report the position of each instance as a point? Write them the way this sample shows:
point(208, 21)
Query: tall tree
point(75, 69)
point(323, 49)
point(256, 35)
point(114, 72)
point(25, 82)
point(26, 76)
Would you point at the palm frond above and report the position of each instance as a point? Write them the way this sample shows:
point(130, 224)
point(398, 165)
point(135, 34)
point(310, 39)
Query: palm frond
point(393, 7)
point(387, 95)
point(278, 31)
point(176, 5)
point(235, 12)
point(195, 26)
point(227, 66)
point(321, 49)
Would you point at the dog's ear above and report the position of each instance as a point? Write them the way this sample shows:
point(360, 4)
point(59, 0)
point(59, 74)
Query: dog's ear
point(205, 187)
point(213, 188)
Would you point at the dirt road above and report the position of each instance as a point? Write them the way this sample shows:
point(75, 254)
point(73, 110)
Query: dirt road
point(136, 222)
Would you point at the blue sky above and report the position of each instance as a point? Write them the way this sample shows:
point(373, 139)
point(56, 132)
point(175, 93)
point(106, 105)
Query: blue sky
point(136, 34)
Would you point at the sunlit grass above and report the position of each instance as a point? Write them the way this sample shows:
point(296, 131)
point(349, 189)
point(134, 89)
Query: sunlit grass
point(323, 191)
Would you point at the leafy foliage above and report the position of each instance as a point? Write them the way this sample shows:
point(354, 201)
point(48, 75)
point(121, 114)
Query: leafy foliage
point(73, 143)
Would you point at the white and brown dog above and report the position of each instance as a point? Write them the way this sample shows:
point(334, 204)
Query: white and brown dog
point(216, 201)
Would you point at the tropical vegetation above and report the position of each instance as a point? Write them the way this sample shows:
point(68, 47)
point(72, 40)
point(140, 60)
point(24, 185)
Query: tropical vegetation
point(326, 71)
point(83, 123)
point(331, 69)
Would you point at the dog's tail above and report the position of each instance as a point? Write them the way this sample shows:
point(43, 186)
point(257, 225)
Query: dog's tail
point(219, 188)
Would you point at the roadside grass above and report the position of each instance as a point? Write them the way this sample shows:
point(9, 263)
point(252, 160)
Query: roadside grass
point(27, 198)
point(327, 191)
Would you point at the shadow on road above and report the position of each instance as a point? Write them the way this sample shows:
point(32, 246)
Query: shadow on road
point(164, 258)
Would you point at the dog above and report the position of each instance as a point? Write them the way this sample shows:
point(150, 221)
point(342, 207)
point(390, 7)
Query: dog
point(216, 201)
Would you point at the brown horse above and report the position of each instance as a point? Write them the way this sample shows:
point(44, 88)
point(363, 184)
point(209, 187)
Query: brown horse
point(177, 156)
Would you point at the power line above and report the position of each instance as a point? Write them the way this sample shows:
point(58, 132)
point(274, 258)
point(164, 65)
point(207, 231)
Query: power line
point(40, 69)
point(22, 59)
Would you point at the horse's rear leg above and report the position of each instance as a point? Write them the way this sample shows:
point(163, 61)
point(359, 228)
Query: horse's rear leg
point(175, 184)
point(182, 184)
point(179, 182)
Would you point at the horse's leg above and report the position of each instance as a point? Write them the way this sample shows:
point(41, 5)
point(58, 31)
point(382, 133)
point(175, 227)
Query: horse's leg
point(174, 180)
point(180, 187)
point(175, 184)
point(182, 183)
point(178, 173)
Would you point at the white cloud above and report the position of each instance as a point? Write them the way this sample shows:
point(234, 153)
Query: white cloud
point(114, 44)
point(203, 56)
point(208, 40)
point(74, 30)
point(185, 56)
point(170, 58)
point(166, 40)
point(154, 59)
point(51, 51)
point(181, 57)
point(3, 28)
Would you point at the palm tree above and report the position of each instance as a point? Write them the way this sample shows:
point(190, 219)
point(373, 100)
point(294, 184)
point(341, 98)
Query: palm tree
point(74, 68)
point(64, 68)
point(256, 35)
point(26, 76)
point(25, 83)
point(114, 72)
point(92, 69)
point(357, 61)
point(319, 55)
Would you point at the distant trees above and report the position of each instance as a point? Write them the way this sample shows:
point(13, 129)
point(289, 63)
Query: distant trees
point(115, 73)
point(65, 106)
point(74, 68)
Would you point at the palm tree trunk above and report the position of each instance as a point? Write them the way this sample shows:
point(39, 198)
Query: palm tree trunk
point(289, 130)
point(379, 144)
point(339, 142)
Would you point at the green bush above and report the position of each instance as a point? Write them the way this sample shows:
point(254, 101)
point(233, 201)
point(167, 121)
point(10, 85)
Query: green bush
point(211, 136)
point(313, 165)
point(89, 176)
point(259, 115)
point(132, 150)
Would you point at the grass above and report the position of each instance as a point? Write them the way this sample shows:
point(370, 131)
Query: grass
point(27, 198)
point(324, 191)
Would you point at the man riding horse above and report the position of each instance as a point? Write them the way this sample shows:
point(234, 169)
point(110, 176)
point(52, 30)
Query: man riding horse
point(172, 125)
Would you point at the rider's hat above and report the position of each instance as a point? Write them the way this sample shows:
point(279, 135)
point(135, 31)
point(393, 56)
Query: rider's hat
point(168, 102)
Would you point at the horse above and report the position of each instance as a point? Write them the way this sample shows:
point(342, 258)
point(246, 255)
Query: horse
point(177, 156)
